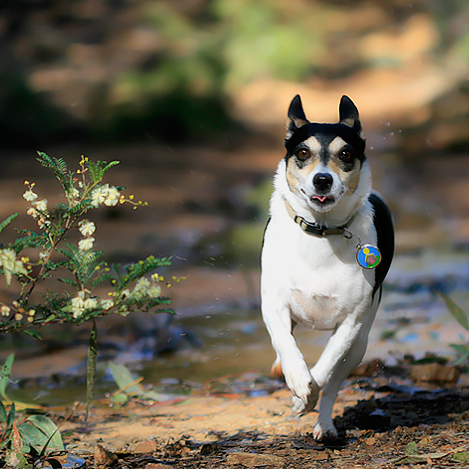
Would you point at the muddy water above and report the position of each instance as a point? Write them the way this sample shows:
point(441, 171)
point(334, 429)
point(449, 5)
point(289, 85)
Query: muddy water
point(211, 218)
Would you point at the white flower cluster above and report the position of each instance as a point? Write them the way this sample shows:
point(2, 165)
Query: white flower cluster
point(107, 195)
point(39, 207)
point(144, 288)
point(11, 265)
point(83, 302)
point(87, 228)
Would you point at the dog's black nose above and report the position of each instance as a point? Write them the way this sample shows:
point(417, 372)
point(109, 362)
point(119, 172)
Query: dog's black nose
point(322, 181)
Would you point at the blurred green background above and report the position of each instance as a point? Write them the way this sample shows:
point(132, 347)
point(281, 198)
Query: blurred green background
point(107, 70)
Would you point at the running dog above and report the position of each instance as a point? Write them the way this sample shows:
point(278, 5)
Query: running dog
point(327, 248)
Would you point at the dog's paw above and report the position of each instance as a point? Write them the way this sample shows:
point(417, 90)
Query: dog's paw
point(305, 402)
point(325, 432)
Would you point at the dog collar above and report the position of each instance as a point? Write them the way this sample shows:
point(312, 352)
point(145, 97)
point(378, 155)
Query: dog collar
point(368, 256)
point(316, 229)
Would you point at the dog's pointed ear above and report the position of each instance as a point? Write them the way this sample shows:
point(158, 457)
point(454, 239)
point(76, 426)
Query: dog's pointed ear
point(296, 115)
point(348, 114)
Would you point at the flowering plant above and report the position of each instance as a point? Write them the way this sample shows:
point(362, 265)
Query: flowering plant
point(129, 288)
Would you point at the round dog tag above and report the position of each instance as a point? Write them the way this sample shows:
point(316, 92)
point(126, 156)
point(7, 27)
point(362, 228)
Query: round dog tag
point(368, 256)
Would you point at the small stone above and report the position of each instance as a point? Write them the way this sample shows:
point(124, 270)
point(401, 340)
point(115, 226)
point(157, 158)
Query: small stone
point(253, 460)
point(147, 446)
point(103, 458)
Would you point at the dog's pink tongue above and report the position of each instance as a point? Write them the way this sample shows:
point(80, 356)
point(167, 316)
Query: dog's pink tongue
point(321, 198)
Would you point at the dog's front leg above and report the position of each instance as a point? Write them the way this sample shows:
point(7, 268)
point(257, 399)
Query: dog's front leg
point(342, 354)
point(297, 375)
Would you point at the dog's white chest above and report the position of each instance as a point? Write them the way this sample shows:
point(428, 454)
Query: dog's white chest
point(318, 280)
point(315, 310)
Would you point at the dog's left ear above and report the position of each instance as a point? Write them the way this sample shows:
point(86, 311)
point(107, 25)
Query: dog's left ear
point(348, 114)
point(296, 115)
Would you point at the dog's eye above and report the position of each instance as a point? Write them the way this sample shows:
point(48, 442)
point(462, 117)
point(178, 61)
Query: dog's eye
point(303, 154)
point(345, 155)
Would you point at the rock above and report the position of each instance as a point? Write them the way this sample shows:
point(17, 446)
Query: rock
point(255, 460)
point(148, 446)
point(103, 458)
point(435, 372)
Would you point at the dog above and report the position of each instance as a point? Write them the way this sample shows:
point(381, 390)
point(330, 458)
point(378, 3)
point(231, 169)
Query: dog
point(327, 248)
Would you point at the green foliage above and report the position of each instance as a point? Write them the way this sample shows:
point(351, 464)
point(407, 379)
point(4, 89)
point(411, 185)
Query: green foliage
point(82, 270)
point(58, 166)
point(5, 376)
point(32, 436)
point(129, 386)
point(7, 221)
point(462, 350)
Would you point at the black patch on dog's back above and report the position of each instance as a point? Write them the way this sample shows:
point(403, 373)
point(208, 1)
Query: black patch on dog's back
point(382, 220)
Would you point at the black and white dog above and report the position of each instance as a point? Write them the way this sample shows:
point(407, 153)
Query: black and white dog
point(327, 249)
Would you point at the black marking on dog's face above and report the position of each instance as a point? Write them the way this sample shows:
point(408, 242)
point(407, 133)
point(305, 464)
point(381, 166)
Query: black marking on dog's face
point(348, 127)
point(332, 150)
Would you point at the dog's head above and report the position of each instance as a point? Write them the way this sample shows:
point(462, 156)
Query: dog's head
point(324, 161)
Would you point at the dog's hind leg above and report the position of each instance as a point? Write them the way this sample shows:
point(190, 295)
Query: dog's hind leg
point(324, 428)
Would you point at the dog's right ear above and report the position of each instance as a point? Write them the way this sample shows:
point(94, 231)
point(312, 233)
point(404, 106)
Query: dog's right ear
point(296, 115)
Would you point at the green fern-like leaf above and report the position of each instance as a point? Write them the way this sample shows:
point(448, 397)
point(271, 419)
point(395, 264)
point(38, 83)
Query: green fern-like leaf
point(69, 282)
point(7, 221)
point(138, 270)
point(82, 263)
point(58, 166)
point(99, 169)
point(31, 240)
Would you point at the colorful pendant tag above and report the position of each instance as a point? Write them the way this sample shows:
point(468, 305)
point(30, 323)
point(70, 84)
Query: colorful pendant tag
point(368, 256)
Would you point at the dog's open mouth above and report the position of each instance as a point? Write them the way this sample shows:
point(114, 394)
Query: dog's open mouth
point(322, 199)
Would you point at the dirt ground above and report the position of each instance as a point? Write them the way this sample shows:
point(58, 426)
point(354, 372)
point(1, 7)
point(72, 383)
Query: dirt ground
point(384, 421)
